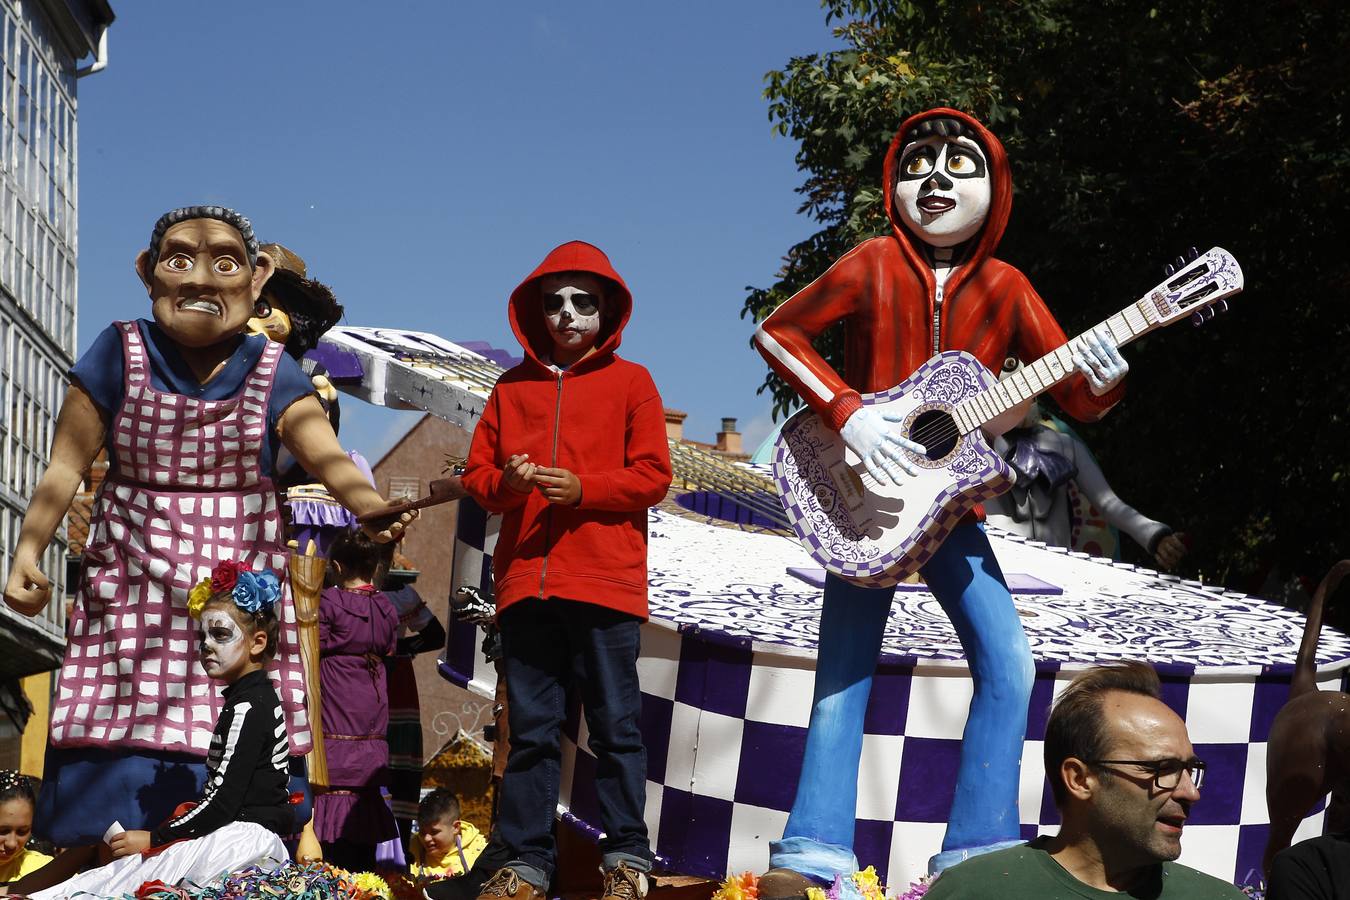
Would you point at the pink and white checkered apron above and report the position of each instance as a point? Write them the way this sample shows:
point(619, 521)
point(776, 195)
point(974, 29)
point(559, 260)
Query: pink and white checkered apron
point(186, 492)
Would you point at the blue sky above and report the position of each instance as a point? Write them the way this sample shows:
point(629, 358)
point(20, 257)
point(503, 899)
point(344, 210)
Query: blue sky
point(423, 159)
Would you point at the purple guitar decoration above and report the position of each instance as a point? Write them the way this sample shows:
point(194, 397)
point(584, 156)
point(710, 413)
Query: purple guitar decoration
point(877, 534)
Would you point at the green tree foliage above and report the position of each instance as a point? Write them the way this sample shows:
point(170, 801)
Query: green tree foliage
point(1135, 130)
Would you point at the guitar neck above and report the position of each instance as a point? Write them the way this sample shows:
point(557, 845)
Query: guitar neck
point(1132, 322)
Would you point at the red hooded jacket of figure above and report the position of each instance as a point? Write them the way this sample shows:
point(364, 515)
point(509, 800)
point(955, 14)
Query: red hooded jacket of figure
point(602, 419)
point(885, 293)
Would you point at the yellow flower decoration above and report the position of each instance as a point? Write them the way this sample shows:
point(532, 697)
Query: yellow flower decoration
point(372, 885)
point(869, 885)
point(198, 596)
point(815, 893)
point(739, 887)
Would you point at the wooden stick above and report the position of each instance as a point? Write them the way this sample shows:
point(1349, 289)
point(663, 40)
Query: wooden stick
point(443, 490)
point(306, 583)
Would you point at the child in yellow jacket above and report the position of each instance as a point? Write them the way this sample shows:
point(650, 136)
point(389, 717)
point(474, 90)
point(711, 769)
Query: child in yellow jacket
point(444, 844)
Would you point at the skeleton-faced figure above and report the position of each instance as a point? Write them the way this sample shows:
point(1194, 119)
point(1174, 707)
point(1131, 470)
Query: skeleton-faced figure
point(1049, 460)
point(930, 285)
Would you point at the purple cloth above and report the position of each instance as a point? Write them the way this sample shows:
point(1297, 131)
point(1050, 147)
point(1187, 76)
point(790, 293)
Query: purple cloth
point(357, 630)
point(1032, 461)
point(321, 521)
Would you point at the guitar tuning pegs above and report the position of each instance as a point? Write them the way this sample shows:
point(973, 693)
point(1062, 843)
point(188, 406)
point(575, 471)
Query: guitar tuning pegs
point(1192, 254)
point(1181, 262)
point(1222, 306)
point(1169, 270)
point(1197, 319)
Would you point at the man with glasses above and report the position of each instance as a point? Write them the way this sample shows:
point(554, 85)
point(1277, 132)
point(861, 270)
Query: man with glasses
point(1124, 777)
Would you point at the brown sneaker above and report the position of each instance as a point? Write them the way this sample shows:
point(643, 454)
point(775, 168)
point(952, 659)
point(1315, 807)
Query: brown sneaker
point(623, 883)
point(505, 884)
point(784, 884)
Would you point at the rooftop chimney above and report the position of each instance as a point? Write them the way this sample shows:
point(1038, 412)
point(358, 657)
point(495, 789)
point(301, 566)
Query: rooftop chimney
point(729, 439)
point(675, 424)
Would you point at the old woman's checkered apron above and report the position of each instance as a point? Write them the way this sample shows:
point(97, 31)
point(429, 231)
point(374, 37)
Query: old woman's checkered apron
point(185, 493)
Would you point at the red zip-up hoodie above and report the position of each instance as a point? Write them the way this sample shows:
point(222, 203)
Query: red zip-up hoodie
point(601, 418)
point(885, 292)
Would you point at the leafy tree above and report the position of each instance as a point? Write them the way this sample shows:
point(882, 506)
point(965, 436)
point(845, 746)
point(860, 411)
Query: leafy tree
point(1135, 130)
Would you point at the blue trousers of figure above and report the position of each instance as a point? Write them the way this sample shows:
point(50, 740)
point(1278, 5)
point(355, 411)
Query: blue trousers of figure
point(966, 580)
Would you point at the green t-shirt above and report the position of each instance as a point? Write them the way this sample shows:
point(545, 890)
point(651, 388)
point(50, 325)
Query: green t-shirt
point(1027, 872)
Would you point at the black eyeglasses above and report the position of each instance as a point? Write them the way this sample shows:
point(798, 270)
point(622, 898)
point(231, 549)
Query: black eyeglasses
point(1166, 772)
point(584, 304)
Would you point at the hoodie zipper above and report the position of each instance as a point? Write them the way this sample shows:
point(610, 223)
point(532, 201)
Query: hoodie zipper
point(937, 316)
point(548, 513)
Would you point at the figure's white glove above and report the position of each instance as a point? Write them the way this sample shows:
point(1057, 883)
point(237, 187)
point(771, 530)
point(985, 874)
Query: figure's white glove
point(880, 447)
point(1100, 361)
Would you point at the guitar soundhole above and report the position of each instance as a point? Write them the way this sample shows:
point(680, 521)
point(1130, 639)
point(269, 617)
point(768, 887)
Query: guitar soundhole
point(937, 431)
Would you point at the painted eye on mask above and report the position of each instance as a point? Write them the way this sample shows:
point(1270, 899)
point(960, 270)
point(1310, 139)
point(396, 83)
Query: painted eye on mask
point(179, 262)
point(227, 266)
point(920, 164)
point(964, 165)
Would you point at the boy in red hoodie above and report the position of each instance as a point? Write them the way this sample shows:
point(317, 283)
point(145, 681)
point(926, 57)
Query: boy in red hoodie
point(571, 450)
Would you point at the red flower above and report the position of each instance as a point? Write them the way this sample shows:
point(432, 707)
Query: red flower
point(224, 575)
point(151, 890)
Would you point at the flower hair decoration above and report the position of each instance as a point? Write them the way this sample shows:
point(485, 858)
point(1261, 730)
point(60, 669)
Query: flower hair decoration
point(255, 593)
point(10, 779)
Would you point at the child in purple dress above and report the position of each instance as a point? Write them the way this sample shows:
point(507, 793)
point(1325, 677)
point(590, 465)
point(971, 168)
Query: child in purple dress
point(357, 630)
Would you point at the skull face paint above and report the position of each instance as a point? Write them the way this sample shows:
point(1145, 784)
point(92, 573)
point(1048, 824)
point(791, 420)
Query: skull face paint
point(943, 190)
point(573, 303)
point(223, 648)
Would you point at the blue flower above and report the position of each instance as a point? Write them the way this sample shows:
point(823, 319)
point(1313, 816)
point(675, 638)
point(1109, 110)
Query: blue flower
point(256, 592)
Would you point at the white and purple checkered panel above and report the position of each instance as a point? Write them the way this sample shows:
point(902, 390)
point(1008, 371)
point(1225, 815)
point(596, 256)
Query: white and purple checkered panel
point(727, 669)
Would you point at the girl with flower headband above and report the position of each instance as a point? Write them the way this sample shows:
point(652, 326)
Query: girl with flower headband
point(245, 809)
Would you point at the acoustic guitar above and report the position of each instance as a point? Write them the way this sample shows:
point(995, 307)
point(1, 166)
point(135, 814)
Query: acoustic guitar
point(876, 534)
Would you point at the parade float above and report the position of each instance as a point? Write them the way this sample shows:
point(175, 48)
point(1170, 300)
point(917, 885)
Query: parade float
point(729, 654)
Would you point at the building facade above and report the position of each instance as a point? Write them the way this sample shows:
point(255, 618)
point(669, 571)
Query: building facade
point(45, 46)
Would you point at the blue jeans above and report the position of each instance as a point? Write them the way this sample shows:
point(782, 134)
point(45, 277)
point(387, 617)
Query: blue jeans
point(548, 644)
point(966, 580)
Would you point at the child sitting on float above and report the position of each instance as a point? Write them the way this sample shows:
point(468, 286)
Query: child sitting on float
point(16, 827)
point(245, 809)
point(445, 845)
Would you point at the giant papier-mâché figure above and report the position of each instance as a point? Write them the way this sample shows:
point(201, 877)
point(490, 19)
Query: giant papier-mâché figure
point(930, 285)
point(192, 413)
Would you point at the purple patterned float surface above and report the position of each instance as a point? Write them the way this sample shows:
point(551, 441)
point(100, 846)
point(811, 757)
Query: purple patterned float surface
point(728, 664)
point(734, 585)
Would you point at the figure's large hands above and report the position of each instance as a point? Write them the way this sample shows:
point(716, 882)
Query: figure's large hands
point(1100, 361)
point(1169, 551)
point(27, 590)
point(880, 446)
point(386, 530)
